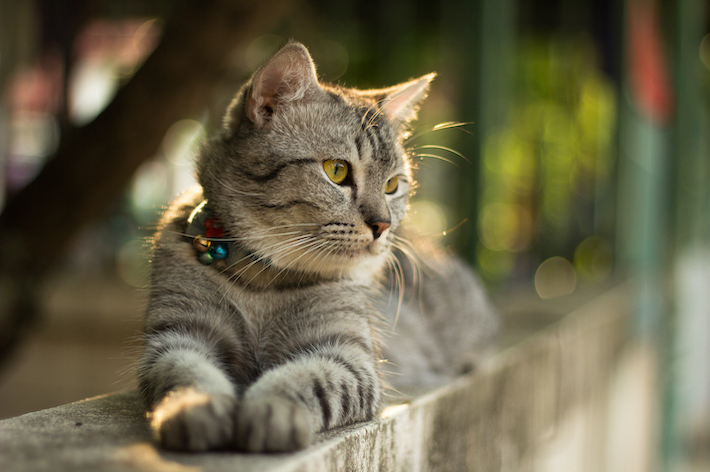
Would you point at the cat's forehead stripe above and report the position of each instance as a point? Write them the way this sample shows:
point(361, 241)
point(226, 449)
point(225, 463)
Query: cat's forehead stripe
point(358, 146)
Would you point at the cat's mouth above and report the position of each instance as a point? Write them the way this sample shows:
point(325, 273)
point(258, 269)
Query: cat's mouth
point(333, 252)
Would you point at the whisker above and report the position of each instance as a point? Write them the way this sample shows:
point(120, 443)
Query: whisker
point(308, 248)
point(281, 253)
point(455, 227)
point(256, 234)
point(398, 280)
point(443, 148)
point(332, 248)
point(282, 245)
point(436, 156)
point(378, 112)
point(404, 245)
point(314, 255)
point(440, 127)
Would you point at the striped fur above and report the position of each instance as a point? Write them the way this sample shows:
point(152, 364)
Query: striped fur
point(261, 351)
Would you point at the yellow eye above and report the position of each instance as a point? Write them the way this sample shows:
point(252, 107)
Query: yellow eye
point(336, 169)
point(392, 184)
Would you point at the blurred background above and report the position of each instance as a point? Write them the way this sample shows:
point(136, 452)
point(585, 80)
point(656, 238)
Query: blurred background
point(580, 157)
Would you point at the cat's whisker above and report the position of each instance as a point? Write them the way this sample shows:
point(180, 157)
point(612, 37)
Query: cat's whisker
point(308, 248)
point(324, 256)
point(435, 156)
point(232, 279)
point(313, 258)
point(281, 246)
point(442, 148)
point(440, 127)
point(282, 252)
point(256, 234)
point(366, 126)
point(419, 267)
point(235, 192)
point(314, 253)
point(378, 111)
point(398, 284)
point(276, 243)
point(332, 249)
point(416, 275)
point(332, 246)
point(404, 245)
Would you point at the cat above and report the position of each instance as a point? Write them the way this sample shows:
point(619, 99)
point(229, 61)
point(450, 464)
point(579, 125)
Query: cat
point(270, 317)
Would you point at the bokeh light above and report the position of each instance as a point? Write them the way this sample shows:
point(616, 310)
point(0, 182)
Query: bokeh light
point(181, 141)
point(132, 263)
point(495, 266)
point(545, 169)
point(499, 226)
point(555, 277)
point(705, 51)
point(331, 57)
point(149, 190)
point(261, 49)
point(427, 218)
point(593, 259)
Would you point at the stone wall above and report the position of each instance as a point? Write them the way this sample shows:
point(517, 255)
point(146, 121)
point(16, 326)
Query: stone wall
point(559, 398)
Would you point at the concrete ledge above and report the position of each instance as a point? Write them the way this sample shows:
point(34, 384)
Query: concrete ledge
point(511, 414)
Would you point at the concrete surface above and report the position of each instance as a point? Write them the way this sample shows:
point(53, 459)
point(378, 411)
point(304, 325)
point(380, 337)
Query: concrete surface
point(541, 404)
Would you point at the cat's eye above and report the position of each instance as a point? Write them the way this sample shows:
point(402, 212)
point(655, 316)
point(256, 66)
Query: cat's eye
point(336, 170)
point(391, 185)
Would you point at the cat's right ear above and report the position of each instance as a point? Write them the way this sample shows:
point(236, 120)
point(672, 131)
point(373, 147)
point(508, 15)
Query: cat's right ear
point(288, 77)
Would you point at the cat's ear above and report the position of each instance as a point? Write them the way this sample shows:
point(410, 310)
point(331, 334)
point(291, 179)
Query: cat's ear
point(401, 102)
point(288, 77)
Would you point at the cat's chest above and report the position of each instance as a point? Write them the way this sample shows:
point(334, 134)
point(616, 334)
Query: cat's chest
point(271, 317)
point(258, 309)
point(270, 325)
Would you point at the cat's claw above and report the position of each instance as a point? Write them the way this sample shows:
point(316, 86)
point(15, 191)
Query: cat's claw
point(273, 425)
point(188, 420)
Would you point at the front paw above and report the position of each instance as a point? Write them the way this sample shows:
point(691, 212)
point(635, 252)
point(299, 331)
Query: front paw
point(187, 420)
point(273, 425)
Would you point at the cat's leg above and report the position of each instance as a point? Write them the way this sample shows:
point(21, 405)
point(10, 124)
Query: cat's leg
point(184, 380)
point(325, 386)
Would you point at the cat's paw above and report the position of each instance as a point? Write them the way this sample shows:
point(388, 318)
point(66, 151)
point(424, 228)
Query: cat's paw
point(188, 420)
point(273, 425)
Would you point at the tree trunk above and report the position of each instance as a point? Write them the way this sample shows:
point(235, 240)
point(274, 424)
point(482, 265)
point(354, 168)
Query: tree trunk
point(95, 162)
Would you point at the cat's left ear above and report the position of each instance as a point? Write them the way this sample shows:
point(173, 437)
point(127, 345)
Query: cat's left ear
point(401, 102)
point(288, 77)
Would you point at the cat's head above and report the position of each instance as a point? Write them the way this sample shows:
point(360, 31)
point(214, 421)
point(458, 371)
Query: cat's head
point(309, 175)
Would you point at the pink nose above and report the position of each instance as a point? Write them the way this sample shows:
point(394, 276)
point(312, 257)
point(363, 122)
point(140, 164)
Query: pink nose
point(379, 227)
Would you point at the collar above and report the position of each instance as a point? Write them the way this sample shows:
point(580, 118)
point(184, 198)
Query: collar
point(208, 238)
point(207, 235)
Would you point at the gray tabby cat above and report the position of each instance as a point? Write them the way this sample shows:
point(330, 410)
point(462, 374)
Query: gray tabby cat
point(267, 282)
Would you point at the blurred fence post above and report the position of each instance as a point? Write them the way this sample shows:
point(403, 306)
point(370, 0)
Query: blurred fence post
point(663, 212)
point(688, 397)
point(490, 33)
point(644, 194)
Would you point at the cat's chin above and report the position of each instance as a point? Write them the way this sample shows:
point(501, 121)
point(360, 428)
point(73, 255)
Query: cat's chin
point(365, 267)
point(353, 265)
point(361, 259)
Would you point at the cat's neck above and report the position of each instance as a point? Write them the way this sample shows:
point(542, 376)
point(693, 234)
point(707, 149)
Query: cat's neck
point(251, 272)
point(246, 268)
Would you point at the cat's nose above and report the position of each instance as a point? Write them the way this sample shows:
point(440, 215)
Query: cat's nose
point(378, 227)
